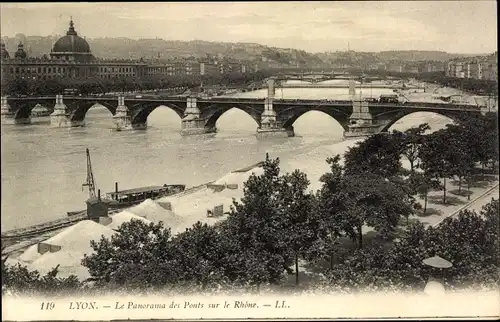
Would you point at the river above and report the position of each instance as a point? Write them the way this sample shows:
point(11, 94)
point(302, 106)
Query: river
point(43, 168)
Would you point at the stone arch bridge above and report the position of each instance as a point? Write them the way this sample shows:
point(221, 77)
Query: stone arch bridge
point(274, 117)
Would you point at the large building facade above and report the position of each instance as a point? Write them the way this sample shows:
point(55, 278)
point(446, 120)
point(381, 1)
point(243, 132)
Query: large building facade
point(475, 68)
point(71, 56)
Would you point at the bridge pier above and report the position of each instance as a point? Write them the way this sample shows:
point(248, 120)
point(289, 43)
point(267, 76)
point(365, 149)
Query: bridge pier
point(61, 118)
point(192, 123)
point(269, 126)
point(8, 116)
point(122, 119)
point(361, 121)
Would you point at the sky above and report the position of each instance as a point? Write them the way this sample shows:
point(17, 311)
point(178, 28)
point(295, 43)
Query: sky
point(451, 26)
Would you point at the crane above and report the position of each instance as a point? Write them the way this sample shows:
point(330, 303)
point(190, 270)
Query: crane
point(90, 177)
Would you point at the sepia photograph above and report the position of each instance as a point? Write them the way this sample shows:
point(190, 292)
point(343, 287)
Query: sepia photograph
point(249, 160)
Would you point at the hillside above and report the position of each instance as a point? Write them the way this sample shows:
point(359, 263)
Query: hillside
point(111, 48)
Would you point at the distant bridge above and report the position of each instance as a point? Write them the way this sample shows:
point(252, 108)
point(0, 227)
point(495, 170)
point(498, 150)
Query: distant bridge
point(274, 117)
point(325, 75)
point(323, 85)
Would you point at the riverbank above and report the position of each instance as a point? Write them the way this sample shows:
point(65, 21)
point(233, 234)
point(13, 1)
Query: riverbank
point(191, 206)
point(181, 211)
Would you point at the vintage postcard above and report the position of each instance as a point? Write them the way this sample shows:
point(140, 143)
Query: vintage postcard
point(249, 160)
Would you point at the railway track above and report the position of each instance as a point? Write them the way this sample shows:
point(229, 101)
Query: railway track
point(28, 232)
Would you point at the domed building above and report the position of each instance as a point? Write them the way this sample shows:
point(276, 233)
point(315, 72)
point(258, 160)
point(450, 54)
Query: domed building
point(71, 57)
point(72, 47)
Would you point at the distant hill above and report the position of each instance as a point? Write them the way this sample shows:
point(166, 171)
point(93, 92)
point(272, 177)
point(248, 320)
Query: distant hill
point(148, 48)
point(111, 48)
point(417, 55)
point(352, 57)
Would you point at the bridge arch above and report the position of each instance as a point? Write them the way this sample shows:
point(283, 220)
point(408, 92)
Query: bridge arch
point(141, 111)
point(289, 115)
point(213, 112)
point(80, 108)
point(394, 117)
point(25, 107)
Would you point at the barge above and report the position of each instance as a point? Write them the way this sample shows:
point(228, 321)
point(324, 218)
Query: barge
point(119, 200)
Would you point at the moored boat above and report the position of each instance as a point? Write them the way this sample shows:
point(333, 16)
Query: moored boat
point(126, 198)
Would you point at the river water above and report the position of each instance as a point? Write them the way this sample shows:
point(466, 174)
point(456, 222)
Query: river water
point(43, 168)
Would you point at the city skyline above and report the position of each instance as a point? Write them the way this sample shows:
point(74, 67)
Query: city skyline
point(309, 26)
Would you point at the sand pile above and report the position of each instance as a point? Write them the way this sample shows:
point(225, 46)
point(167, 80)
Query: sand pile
point(123, 217)
point(74, 242)
point(193, 207)
point(76, 237)
point(152, 211)
point(238, 177)
point(69, 264)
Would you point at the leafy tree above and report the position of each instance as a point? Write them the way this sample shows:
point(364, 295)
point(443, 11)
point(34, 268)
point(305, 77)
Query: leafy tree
point(354, 200)
point(16, 86)
point(483, 135)
point(330, 204)
point(421, 183)
point(379, 154)
point(258, 223)
point(469, 241)
point(412, 141)
point(138, 256)
point(201, 254)
point(435, 157)
point(461, 156)
point(301, 221)
point(18, 279)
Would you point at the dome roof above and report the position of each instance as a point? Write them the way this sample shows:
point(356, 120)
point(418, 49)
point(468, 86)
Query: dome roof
point(71, 43)
point(20, 53)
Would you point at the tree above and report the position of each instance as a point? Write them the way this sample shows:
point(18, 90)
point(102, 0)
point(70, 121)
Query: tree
point(138, 256)
point(434, 156)
point(469, 241)
point(17, 86)
point(379, 154)
point(421, 183)
point(301, 221)
point(330, 204)
point(201, 254)
point(461, 157)
point(363, 199)
point(259, 223)
point(18, 279)
point(412, 140)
